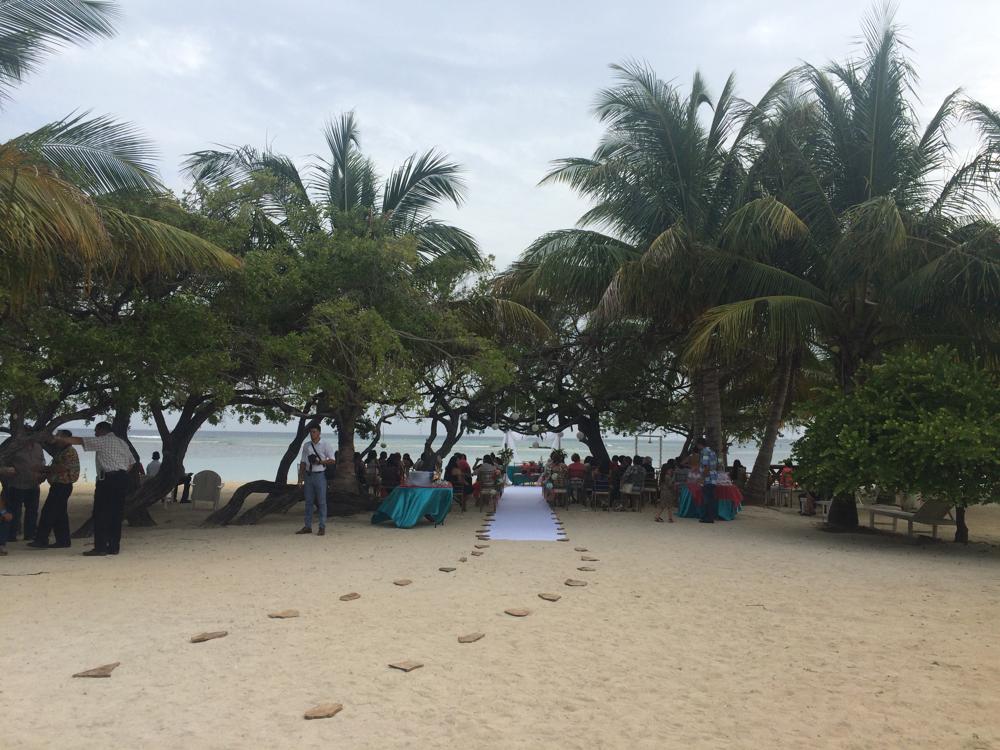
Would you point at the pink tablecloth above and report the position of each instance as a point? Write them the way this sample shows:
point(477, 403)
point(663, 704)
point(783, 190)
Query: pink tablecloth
point(728, 492)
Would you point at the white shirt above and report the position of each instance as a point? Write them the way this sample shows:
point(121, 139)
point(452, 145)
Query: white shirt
point(111, 453)
point(152, 468)
point(322, 449)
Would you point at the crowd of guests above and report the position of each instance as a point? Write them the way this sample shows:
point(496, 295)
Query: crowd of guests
point(622, 477)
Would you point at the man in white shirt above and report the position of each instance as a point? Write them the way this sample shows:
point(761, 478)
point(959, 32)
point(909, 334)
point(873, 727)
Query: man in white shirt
point(316, 456)
point(153, 467)
point(113, 458)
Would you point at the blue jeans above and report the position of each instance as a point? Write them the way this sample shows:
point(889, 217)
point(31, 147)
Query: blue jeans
point(315, 489)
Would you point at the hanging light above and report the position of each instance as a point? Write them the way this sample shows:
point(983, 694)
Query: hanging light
point(581, 437)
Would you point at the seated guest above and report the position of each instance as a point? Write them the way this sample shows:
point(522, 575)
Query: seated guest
point(373, 475)
point(738, 474)
point(576, 472)
point(153, 467)
point(407, 463)
point(786, 479)
point(392, 473)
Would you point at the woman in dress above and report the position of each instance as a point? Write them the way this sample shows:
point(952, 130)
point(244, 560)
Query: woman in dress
point(668, 491)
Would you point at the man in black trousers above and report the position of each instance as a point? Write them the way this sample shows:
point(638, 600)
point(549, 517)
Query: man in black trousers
point(113, 459)
point(62, 473)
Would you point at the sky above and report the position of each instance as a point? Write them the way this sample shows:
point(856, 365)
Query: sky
point(503, 87)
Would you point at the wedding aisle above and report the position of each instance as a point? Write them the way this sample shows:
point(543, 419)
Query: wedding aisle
point(523, 515)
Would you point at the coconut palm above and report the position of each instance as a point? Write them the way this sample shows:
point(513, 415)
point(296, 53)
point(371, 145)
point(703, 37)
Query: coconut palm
point(54, 177)
point(663, 182)
point(873, 234)
point(343, 192)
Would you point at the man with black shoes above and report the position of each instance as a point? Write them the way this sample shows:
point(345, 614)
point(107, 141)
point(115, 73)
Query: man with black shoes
point(62, 473)
point(113, 459)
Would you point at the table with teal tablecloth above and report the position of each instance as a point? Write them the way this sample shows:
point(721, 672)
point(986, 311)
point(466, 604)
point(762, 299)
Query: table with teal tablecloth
point(407, 505)
point(729, 497)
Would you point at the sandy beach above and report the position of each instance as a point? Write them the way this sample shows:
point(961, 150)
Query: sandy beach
point(766, 632)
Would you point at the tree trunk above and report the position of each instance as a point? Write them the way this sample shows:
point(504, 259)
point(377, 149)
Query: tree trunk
point(712, 396)
point(275, 503)
point(757, 484)
point(843, 515)
point(961, 530)
point(592, 438)
point(292, 451)
point(344, 491)
point(228, 512)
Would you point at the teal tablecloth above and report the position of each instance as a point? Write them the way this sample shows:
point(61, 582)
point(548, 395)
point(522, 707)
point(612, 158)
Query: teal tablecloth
point(689, 506)
point(407, 505)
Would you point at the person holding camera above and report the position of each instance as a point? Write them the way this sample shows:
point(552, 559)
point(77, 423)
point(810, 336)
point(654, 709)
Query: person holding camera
point(317, 455)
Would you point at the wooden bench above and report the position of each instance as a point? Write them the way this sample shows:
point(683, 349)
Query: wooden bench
point(932, 513)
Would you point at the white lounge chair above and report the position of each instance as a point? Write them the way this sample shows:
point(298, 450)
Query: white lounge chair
point(206, 486)
point(932, 513)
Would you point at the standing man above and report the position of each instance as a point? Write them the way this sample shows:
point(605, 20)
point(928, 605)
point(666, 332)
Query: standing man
point(113, 459)
point(316, 456)
point(23, 489)
point(709, 463)
point(62, 473)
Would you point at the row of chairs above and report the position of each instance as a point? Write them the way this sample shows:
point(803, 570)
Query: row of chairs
point(584, 492)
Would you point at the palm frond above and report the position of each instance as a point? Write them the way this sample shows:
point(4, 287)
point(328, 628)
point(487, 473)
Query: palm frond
point(439, 240)
point(419, 184)
point(99, 155)
point(31, 29)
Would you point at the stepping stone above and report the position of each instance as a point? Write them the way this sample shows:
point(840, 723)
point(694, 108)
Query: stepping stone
point(480, 546)
point(447, 570)
point(574, 582)
point(102, 671)
point(581, 549)
point(202, 637)
point(471, 637)
point(283, 614)
point(350, 597)
point(550, 597)
point(406, 666)
point(323, 711)
point(476, 553)
point(589, 559)
point(586, 569)
point(463, 559)
point(402, 582)
point(564, 539)
point(516, 612)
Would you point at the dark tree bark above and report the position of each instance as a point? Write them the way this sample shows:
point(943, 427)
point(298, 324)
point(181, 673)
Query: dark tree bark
point(843, 515)
point(292, 451)
point(228, 512)
point(961, 530)
point(757, 484)
point(344, 491)
point(277, 502)
point(712, 395)
point(592, 438)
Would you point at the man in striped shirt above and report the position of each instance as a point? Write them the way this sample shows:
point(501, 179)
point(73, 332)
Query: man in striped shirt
point(113, 458)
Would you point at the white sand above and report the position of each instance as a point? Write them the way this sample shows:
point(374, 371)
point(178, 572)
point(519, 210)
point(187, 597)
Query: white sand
point(764, 633)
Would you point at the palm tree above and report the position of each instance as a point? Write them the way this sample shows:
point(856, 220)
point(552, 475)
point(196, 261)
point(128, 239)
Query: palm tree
point(663, 184)
point(54, 177)
point(342, 192)
point(871, 234)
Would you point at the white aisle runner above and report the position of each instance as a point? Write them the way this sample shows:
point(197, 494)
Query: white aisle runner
point(523, 515)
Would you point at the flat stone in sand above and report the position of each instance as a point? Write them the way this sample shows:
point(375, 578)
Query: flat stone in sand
point(477, 553)
point(589, 559)
point(564, 539)
point(463, 559)
point(480, 546)
point(283, 614)
point(574, 582)
point(550, 597)
point(406, 666)
point(517, 612)
point(323, 711)
point(447, 570)
point(586, 569)
point(102, 671)
point(581, 549)
point(350, 597)
point(402, 582)
point(202, 637)
point(471, 637)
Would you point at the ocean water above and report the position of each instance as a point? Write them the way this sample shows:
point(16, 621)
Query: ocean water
point(240, 456)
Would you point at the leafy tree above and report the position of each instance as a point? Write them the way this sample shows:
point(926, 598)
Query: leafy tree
point(924, 422)
point(870, 234)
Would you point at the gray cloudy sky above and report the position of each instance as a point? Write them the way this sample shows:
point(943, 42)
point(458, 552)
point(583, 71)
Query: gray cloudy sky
point(504, 87)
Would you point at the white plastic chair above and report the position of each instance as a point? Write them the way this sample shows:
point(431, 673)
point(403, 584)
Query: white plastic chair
point(206, 486)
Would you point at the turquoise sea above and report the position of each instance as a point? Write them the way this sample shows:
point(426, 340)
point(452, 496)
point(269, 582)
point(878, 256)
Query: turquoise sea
point(241, 455)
